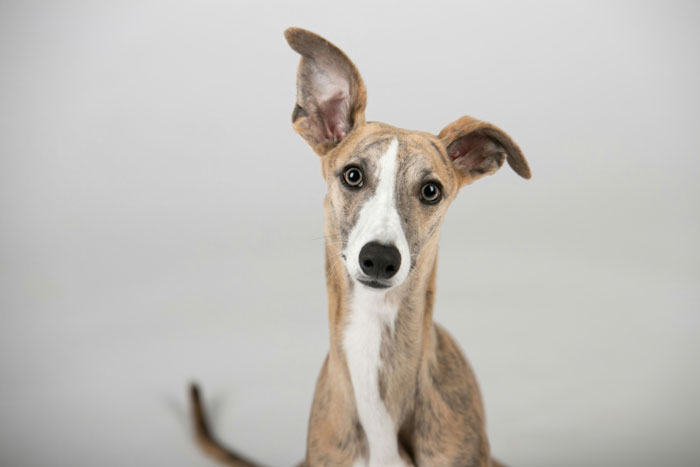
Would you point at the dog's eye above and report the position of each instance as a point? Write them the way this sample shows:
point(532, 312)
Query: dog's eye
point(430, 193)
point(352, 177)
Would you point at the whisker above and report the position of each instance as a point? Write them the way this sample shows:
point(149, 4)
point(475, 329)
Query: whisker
point(341, 242)
point(325, 236)
point(334, 270)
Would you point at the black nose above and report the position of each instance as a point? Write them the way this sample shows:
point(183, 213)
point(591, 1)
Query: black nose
point(380, 261)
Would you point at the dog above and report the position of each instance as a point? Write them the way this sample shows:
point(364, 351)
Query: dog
point(395, 389)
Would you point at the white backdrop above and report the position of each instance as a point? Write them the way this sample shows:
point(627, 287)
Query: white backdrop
point(160, 221)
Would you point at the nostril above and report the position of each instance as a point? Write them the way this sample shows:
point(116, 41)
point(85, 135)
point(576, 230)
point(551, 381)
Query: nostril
point(368, 264)
point(390, 269)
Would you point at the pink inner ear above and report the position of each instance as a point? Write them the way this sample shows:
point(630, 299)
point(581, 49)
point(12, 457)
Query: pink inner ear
point(469, 152)
point(476, 153)
point(330, 92)
point(333, 113)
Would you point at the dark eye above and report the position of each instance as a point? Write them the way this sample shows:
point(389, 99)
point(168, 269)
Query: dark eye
point(352, 177)
point(430, 193)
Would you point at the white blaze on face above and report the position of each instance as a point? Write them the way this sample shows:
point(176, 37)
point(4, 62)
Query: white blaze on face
point(369, 313)
point(379, 220)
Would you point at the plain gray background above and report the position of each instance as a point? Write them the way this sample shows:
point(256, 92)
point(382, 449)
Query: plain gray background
point(161, 222)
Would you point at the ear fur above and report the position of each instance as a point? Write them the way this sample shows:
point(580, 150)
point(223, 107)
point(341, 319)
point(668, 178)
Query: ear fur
point(479, 148)
point(331, 96)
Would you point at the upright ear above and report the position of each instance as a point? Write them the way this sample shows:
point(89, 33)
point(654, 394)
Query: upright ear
point(331, 97)
point(478, 148)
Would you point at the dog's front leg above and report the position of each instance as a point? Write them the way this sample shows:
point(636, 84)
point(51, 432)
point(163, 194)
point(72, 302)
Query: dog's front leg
point(335, 436)
point(448, 427)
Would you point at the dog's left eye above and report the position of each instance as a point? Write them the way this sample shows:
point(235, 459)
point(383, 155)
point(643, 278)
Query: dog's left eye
point(430, 193)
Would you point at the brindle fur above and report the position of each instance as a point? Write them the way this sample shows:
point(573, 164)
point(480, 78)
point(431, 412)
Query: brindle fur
point(424, 380)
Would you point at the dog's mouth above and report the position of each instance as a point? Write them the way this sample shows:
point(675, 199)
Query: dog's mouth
point(375, 284)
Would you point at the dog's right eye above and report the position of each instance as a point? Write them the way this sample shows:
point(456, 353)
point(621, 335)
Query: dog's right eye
point(352, 177)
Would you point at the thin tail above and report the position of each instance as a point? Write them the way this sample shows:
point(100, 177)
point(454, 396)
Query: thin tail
point(207, 441)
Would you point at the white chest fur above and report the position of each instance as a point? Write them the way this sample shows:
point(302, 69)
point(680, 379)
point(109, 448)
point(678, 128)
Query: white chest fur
point(369, 314)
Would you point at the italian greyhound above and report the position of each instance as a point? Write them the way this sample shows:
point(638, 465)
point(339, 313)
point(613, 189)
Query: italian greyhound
point(395, 389)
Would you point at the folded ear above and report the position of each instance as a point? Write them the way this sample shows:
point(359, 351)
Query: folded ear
point(478, 148)
point(331, 97)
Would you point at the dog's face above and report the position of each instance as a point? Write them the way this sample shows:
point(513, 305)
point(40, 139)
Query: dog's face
point(388, 189)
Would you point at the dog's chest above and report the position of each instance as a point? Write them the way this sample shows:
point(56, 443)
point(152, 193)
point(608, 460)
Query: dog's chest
point(368, 316)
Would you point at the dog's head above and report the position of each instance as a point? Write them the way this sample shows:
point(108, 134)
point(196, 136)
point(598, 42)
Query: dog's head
point(388, 188)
